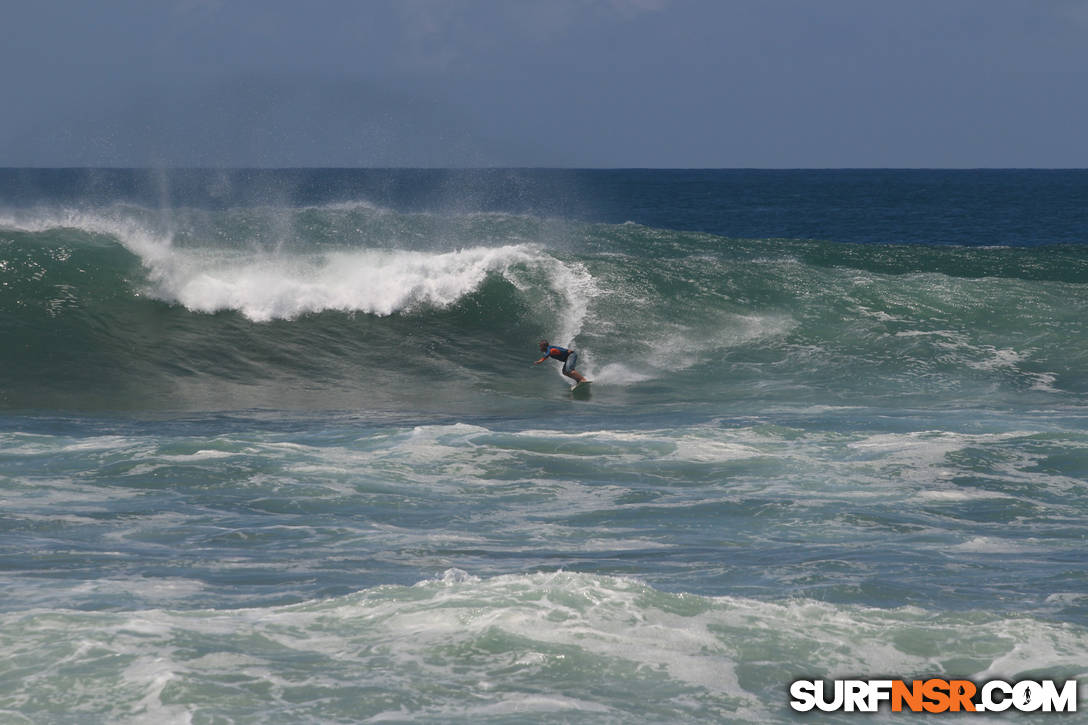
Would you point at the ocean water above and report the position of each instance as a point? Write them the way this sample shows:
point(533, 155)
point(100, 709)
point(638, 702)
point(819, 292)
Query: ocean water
point(272, 448)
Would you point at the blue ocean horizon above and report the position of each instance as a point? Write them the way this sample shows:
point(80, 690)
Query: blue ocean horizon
point(273, 449)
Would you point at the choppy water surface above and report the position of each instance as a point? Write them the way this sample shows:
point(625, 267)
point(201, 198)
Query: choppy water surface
point(284, 458)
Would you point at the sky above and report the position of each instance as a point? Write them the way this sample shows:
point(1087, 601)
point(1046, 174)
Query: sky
point(553, 83)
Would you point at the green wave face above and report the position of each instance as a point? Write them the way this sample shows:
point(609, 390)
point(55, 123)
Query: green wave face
point(353, 305)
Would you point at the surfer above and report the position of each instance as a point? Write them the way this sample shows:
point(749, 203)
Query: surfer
point(569, 358)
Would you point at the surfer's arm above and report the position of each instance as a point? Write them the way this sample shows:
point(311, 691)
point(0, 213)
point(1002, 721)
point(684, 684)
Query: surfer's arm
point(541, 360)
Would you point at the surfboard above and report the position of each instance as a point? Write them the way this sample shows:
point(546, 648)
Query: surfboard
point(583, 385)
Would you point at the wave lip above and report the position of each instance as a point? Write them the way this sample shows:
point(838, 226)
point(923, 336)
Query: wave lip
point(374, 281)
point(267, 264)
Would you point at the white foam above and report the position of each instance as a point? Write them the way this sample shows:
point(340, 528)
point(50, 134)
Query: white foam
point(201, 455)
point(991, 545)
point(681, 346)
point(265, 285)
point(957, 495)
point(350, 206)
point(144, 588)
point(151, 675)
point(1045, 382)
point(138, 238)
point(27, 444)
point(460, 645)
point(380, 282)
point(997, 358)
point(620, 374)
point(575, 290)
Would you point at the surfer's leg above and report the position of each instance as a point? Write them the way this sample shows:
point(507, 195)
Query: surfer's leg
point(568, 368)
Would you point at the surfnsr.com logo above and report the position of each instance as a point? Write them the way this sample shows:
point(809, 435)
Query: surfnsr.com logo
point(933, 695)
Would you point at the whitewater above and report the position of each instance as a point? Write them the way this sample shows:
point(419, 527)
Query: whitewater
point(273, 449)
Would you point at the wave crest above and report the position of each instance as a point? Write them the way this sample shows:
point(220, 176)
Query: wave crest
point(374, 281)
